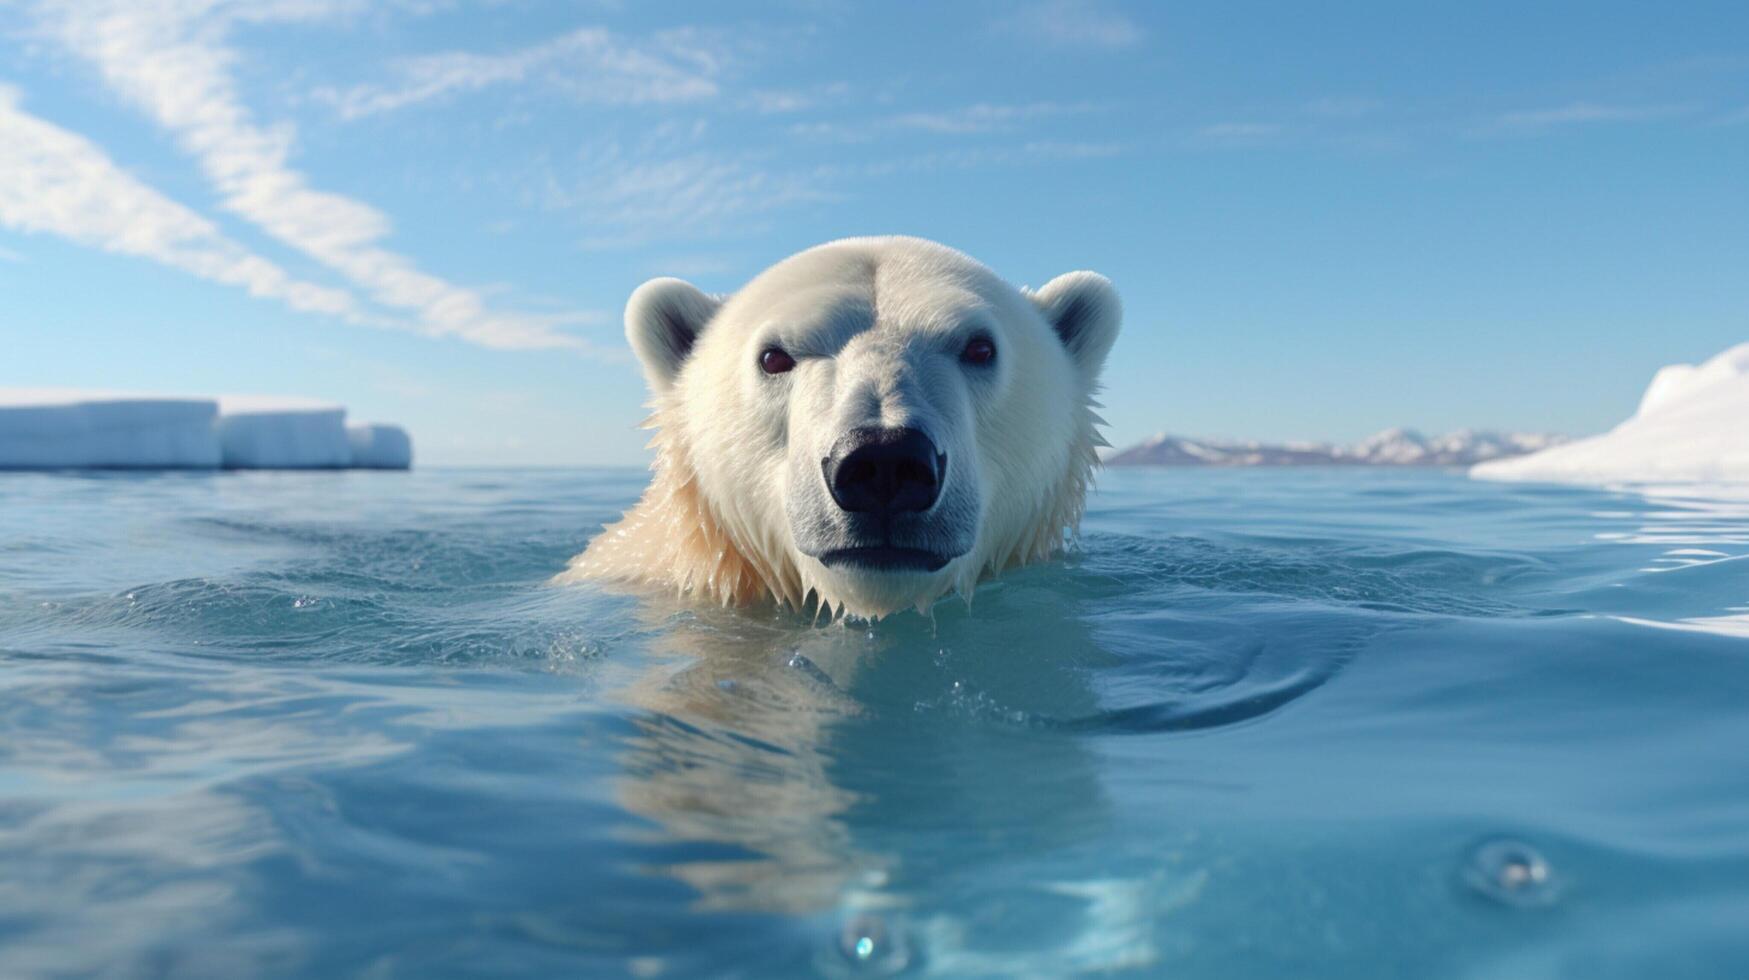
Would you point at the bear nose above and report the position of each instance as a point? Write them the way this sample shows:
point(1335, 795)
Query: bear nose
point(884, 471)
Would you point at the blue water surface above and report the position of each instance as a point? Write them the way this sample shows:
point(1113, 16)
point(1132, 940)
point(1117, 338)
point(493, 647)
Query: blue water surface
point(1309, 723)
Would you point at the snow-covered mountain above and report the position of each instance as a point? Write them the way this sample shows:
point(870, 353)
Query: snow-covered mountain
point(1392, 447)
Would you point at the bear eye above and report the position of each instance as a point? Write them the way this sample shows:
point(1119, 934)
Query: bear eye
point(979, 350)
point(776, 360)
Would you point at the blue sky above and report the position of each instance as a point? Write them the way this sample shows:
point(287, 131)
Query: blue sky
point(1325, 219)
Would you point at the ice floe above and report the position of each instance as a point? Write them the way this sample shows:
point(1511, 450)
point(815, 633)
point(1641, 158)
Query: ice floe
point(376, 446)
point(259, 433)
point(58, 428)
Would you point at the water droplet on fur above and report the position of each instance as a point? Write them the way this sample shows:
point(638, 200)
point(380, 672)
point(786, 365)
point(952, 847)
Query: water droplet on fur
point(1510, 872)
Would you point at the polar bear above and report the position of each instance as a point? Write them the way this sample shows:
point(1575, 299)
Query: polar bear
point(865, 427)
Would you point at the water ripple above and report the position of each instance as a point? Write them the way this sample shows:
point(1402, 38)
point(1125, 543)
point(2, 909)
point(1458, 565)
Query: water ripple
point(1258, 724)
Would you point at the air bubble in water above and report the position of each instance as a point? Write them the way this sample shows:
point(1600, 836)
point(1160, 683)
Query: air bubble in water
point(799, 661)
point(1510, 872)
point(870, 947)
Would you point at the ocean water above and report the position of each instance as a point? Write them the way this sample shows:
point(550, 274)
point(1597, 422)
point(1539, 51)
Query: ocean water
point(1273, 723)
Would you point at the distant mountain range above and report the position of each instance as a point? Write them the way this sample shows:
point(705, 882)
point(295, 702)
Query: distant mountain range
point(1392, 447)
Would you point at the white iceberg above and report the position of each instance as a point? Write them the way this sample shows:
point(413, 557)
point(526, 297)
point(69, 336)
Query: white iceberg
point(376, 446)
point(1692, 426)
point(265, 433)
point(51, 428)
point(57, 428)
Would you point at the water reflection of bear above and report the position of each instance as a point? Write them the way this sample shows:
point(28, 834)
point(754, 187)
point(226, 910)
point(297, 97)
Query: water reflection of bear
point(831, 757)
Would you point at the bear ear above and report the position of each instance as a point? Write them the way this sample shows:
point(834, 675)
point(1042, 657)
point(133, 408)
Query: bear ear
point(663, 319)
point(1084, 309)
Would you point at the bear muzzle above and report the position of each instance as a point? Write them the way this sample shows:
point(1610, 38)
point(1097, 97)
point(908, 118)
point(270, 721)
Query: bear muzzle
point(885, 481)
point(883, 472)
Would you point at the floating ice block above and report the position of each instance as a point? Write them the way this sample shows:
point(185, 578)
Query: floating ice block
point(257, 432)
point(58, 428)
point(379, 447)
point(49, 428)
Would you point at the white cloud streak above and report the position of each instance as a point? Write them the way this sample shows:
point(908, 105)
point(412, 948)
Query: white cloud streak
point(1579, 113)
point(634, 195)
point(57, 182)
point(1037, 151)
point(771, 102)
point(978, 119)
point(168, 57)
point(1236, 133)
point(589, 64)
point(984, 117)
point(1075, 23)
point(1343, 107)
point(655, 191)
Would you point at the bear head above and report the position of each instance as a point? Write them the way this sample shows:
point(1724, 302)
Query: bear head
point(864, 427)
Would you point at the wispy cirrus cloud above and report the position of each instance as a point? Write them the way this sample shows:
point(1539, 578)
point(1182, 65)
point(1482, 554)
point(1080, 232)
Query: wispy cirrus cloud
point(1237, 133)
point(632, 195)
point(1360, 124)
point(985, 117)
point(773, 102)
point(1585, 113)
point(979, 118)
point(589, 64)
point(56, 182)
point(675, 187)
point(1074, 23)
point(1343, 107)
point(169, 58)
point(968, 158)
